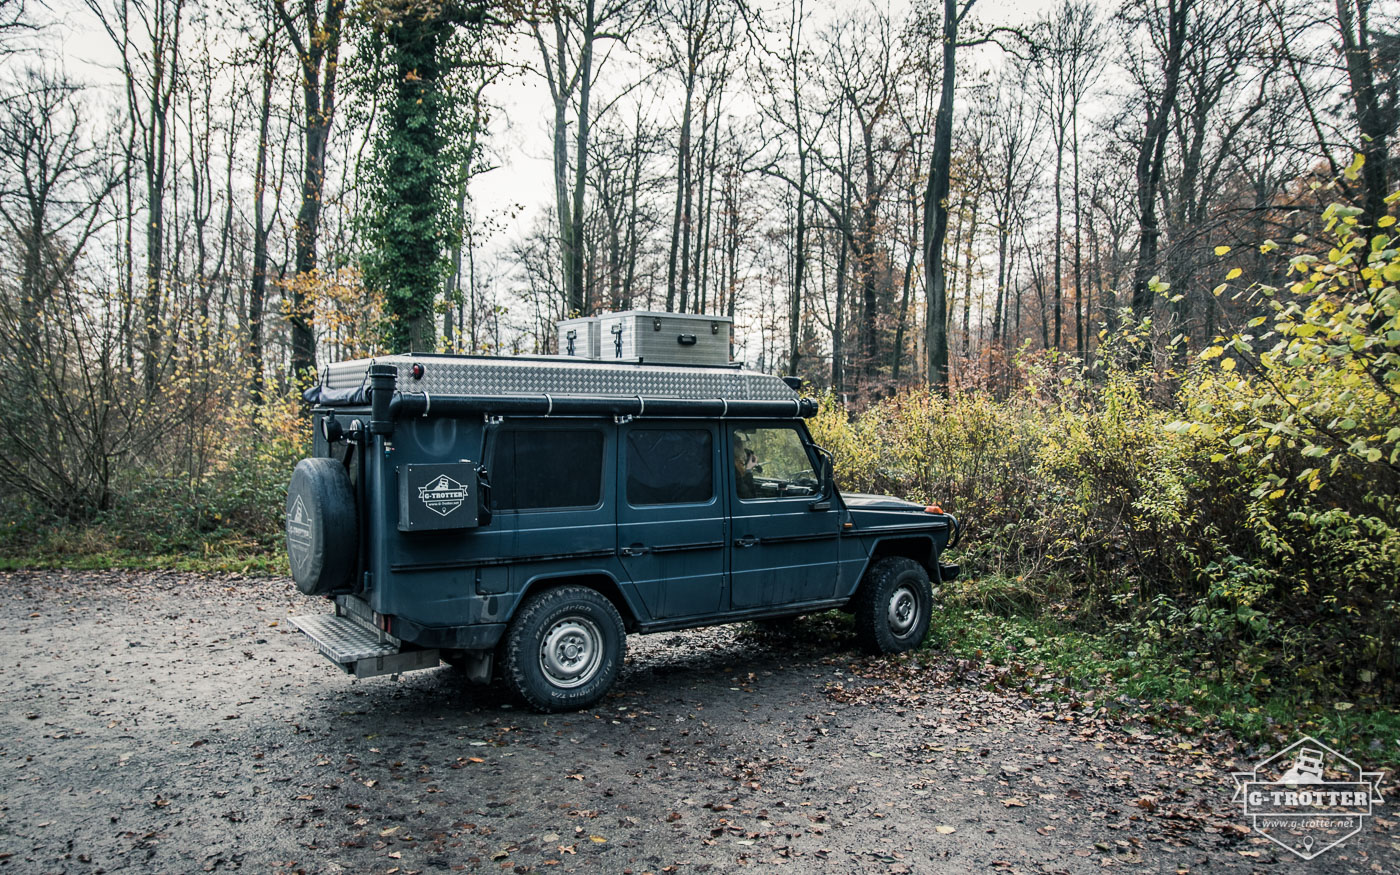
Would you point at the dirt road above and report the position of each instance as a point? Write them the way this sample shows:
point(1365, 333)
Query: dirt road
point(175, 723)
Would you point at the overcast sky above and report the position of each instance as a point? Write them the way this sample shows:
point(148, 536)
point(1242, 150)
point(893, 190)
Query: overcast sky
point(520, 189)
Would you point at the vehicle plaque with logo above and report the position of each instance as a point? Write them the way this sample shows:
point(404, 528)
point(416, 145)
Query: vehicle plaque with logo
point(437, 497)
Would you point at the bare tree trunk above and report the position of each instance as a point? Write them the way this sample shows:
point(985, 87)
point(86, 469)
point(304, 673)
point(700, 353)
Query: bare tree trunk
point(838, 333)
point(704, 188)
point(967, 276)
point(574, 280)
point(950, 265)
point(452, 287)
point(128, 249)
point(1080, 341)
point(631, 246)
point(1058, 279)
point(897, 358)
point(561, 90)
point(936, 204)
point(1372, 120)
point(318, 55)
point(1151, 157)
point(261, 228)
point(799, 270)
point(682, 213)
point(868, 347)
point(998, 323)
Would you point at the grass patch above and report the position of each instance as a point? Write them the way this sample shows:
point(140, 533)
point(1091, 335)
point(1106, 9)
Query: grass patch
point(1057, 654)
point(262, 566)
point(97, 547)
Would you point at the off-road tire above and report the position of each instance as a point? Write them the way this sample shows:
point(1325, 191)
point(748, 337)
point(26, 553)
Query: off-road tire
point(564, 649)
point(893, 606)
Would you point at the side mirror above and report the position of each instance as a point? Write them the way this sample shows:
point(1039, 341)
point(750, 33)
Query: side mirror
point(826, 478)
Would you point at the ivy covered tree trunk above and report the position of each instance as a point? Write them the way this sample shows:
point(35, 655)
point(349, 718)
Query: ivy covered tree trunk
point(410, 228)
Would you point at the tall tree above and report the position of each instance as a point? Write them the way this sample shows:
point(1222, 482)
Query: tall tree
point(314, 32)
point(53, 184)
point(692, 32)
point(1371, 61)
point(414, 53)
point(1225, 82)
point(150, 61)
point(783, 75)
point(262, 224)
point(867, 69)
point(1070, 63)
point(567, 35)
point(1016, 124)
point(1159, 98)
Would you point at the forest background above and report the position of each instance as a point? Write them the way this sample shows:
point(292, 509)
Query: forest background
point(1115, 282)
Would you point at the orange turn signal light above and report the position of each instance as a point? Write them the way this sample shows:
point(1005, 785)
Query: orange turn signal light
point(934, 508)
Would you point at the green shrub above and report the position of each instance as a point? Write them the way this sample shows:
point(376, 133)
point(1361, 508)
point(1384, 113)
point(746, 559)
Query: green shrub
point(1250, 524)
point(162, 512)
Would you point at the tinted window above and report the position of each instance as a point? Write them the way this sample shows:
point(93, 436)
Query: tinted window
point(669, 466)
point(533, 468)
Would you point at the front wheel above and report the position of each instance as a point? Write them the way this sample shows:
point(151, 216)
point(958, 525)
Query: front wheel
point(893, 607)
point(564, 649)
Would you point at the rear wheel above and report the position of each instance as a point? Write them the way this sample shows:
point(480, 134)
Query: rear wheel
point(564, 649)
point(893, 607)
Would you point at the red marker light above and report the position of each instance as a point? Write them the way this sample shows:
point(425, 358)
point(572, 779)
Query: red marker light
point(416, 371)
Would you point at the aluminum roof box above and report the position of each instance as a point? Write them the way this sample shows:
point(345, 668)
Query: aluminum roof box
point(579, 338)
point(563, 376)
point(672, 338)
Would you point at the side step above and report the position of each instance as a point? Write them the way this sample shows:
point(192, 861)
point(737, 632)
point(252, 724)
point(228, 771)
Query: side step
point(360, 649)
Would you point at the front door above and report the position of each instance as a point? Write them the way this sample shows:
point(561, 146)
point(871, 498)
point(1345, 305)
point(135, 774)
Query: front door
point(670, 516)
point(781, 550)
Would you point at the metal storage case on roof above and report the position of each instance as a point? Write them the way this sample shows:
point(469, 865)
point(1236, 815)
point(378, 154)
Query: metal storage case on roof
point(676, 338)
point(579, 338)
point(484, 375)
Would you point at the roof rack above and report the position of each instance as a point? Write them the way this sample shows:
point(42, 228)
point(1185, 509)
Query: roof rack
point(494, 376)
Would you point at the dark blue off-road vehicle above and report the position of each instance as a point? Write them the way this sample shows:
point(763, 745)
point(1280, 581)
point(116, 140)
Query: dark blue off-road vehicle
point(519, 516)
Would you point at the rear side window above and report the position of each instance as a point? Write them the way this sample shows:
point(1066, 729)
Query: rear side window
point(538, 468)
point(669, 466)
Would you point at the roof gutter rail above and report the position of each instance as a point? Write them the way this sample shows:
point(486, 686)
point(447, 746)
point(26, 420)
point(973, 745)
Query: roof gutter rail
point(424, 404)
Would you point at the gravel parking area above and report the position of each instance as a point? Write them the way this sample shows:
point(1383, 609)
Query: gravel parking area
point(177, 723)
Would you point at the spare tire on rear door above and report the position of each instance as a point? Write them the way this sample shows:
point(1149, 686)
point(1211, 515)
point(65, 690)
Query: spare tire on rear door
point(322, 527)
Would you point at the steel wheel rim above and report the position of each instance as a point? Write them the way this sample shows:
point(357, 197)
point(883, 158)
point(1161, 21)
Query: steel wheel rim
point(571, 652)
point(903, 610)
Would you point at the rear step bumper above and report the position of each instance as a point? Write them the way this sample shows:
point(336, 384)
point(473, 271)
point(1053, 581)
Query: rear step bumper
point(360, 649)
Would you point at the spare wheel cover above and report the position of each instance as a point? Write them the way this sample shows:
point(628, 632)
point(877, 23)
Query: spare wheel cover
point(322, 527)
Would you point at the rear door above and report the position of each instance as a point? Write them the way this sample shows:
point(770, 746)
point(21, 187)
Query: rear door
point(781, 550)
point(670, 516)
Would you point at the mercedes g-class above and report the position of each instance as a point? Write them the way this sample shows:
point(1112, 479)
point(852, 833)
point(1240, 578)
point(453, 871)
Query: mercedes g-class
point(517, 517)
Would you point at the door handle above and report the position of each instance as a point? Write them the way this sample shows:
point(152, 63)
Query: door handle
point(746, 541)
point(634, 550)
